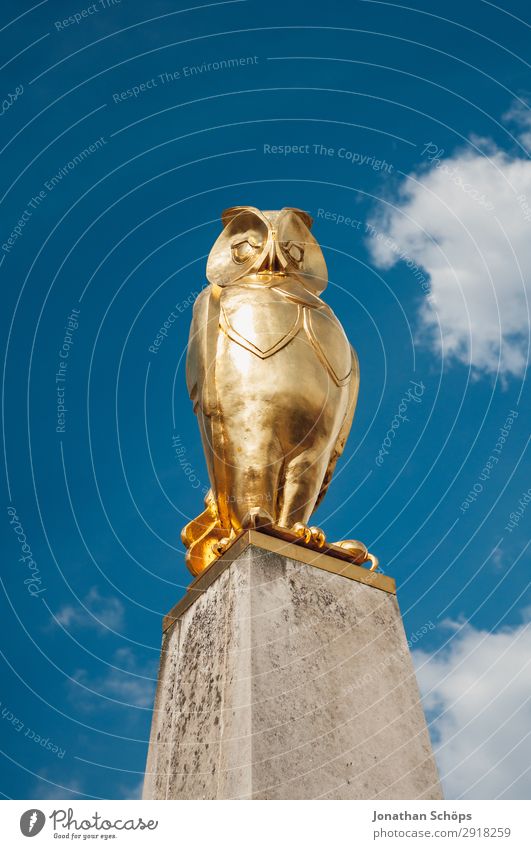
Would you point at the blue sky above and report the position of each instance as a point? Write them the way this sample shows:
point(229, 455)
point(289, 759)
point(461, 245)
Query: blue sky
point(118, 156)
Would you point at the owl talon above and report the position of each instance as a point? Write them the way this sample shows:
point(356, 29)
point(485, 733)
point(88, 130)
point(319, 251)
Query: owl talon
point(374, 562)
point(359, 553)
point(318, 536)
point(302, 531)
point(221, 545)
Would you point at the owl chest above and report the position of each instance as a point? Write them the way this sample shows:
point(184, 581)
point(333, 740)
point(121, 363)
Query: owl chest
point(264, 323)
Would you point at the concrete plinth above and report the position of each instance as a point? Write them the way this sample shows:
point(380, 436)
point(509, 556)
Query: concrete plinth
point(280, 680)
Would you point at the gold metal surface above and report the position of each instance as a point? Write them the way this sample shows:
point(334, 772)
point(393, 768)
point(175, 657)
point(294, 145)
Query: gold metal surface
point(332, 559)
point(274, 384)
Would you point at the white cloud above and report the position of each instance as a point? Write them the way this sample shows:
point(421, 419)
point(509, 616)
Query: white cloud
point(95, 611)
point(133, 790)
point(520, 114)
point(56, 787)
point(466, 220)
point(477, 697)
point(129, 681)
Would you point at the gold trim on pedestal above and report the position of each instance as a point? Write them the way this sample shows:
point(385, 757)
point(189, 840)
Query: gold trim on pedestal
point(331, 559)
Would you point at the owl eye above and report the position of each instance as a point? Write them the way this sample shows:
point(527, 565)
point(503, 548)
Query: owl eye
point(243, 251)
point(296, 252)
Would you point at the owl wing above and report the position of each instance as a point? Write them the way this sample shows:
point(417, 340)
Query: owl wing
point(197, 355)
point(345, 427)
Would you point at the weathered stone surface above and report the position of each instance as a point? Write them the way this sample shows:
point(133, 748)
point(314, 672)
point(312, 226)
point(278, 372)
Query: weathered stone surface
point(283, 681)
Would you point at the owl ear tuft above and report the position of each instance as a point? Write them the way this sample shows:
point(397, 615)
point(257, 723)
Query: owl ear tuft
point(305, 216)
point(228, 214)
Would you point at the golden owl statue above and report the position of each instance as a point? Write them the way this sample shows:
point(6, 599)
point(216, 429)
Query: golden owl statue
point(273, 380)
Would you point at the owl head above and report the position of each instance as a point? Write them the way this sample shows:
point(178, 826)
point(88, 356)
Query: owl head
point(262, 246)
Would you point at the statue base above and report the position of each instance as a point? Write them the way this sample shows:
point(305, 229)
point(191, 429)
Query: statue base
point(285, 674)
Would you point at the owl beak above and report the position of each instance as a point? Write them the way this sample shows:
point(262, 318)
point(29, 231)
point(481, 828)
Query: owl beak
point(272, 263)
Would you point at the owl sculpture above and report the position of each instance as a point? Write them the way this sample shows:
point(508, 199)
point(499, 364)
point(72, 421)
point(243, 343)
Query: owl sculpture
point(273, 380)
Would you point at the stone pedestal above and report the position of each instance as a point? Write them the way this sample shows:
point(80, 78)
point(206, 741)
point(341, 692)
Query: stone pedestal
point(285, 674)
